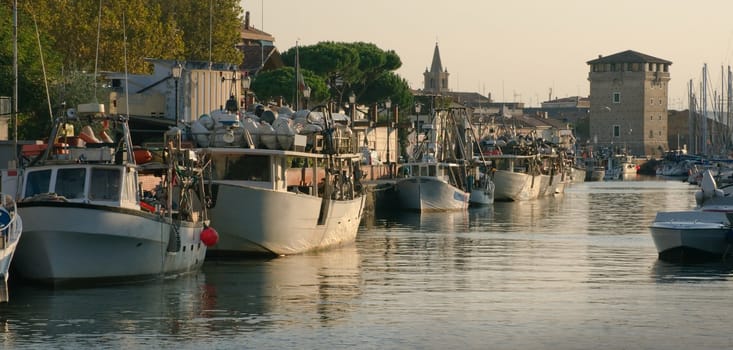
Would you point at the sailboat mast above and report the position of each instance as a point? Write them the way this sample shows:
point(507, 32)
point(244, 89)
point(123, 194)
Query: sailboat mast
point(15, 82)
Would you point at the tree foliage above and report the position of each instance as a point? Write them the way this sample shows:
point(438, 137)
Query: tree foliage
point(79, 38)
point(210, 29)
point(361, 68)
point(271, 85)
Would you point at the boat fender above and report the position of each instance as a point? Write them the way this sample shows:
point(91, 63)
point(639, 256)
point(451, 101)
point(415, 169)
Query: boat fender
point(209, 236)
point(148, 207)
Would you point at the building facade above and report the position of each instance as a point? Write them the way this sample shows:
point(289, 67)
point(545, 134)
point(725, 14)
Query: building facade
point(628, 102)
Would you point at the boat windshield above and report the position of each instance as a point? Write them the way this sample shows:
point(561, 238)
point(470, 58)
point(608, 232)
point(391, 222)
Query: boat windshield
point(70, 182)
point(105, 184)
point(37, 182)
point(238, 167)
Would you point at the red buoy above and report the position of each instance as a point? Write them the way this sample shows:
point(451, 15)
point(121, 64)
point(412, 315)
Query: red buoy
point(209, 236)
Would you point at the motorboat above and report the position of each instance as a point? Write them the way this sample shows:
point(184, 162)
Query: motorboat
point(432, 186)
point(705, 232)
point(283, 190)
point(99, 216)
point(436, 177)
point(481, 185)
point(11, 228)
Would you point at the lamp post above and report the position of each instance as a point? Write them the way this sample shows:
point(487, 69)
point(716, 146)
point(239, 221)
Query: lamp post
point(246, 82)
point(352, 103)
point(418, 107)
point(306, 95)
point(388, 105)
point(176, 72)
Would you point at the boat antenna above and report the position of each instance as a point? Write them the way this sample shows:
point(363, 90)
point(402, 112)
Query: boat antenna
point(15, 82)
point(43, 65)
point(96, 54)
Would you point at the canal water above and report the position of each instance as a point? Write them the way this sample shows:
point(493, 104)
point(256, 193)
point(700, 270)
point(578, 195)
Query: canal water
point(573, 271)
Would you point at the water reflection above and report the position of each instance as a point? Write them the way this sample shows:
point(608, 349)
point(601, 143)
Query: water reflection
point(225, 298)
point(672, 272)
point(318, 287)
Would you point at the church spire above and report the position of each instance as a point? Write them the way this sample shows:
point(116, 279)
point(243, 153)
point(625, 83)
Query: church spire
point(436, 80)
point(437, 66)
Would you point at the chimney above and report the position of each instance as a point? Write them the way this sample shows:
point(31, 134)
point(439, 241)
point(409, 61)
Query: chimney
point(246, 20)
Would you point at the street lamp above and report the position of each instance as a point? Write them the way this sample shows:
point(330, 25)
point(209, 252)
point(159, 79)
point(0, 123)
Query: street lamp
point(176, 72)
point(417, 122)
point(388, 105)
point(306, 95)
point(246, 82)
point(352, 103)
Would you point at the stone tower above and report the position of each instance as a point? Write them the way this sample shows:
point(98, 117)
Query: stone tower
point(436, 79)
point(628, 102)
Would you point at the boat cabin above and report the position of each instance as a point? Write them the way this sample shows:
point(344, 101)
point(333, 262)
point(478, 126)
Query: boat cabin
point(110, 185)
point(448, 172)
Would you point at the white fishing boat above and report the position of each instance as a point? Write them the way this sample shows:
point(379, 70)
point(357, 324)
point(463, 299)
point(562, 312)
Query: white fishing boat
point(436, 177)
point(481, 184)
point(282, 192)
point(11, 228)
point(92, 221)
point(430, 186)
point(705, 232)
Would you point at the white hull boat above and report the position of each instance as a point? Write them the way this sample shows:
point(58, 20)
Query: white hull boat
point(426, 193)
point(93, 223)
point(104, 244)
point(11, 229)
point(705, 232)
point(517, 186)
point(280, 222)
point(277, 198)
point(692, 234)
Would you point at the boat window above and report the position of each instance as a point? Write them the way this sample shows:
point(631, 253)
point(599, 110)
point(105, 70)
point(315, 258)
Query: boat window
point(432, 170)
point(37, 182)
point(70, 182)
point(105, 184)
point(248, 168)
point(415, 170)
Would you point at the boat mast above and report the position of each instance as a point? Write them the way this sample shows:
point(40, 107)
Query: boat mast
point(15, 82)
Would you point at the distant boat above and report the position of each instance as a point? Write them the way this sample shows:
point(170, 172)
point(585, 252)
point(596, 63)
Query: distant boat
point(481, 184)
point(277, 192)
point(11, 228)
point(703, 233)
point(92, 221)
point(436, 177)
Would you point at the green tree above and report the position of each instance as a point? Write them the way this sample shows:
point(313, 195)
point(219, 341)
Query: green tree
point(34, 116)
point(361, 68)
point(270, 85)
point(210, 29)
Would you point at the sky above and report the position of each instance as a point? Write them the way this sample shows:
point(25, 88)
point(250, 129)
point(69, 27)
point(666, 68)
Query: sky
point(516, 50)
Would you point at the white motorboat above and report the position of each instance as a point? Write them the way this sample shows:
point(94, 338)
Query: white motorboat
point(92, 221)
point(436, 177)
point(481, 185)
point(429, 186)
point(705, 232)
point(273, 197)
point(11, 228)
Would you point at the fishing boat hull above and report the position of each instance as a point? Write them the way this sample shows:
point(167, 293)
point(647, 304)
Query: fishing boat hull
point(103, 244)
point(11, 229)
point(280, 222)
point(516, 186)
point(482, 196)
point(424, 193)
point(692, 235)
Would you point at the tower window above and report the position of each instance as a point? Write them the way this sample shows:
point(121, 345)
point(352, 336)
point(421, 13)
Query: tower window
point(616, 130)
point(616, 97)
